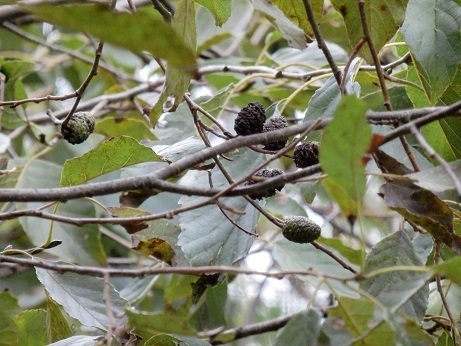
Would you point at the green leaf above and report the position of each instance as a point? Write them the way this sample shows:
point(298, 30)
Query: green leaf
point(138, 288)
point(423, 208)
point(170, 340)
point(408, 332)
point(110, 155)
point(444, 136)
point(292, 33)
point(293, 256)
point(394, 288)
point(15, 69)
point(295, 11)
point(79, 245)
point(344, 142)
point(176, 81)
point(138, 33)
point(452, 297)
point(162, 340)
point(213, 308)
point(84, 302)
point(450, 270)
point(436, 179)
point(357, 315)
point(384, 17)
point(302, 330)
point(177, 287)
point(57, 325)
point(325, 100)
point(207, 236)
point(352, 255)
point(31, 326)
point(221, 9)
point(113, 127)
point(148, 324)
point(78, 340)
point(8, 329)
point(215, 105)
point(432, 32)
point(337, 193)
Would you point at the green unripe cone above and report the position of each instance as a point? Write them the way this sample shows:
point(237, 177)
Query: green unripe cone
point(79, 128)
point(300, 229)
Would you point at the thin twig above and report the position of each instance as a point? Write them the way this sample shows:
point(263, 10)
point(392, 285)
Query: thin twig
point(455, 332)
point(71, 53)
point(355, 51)
point(141, 272)
point(332, 255)
point(79, 92)
point(374, 55)
point(166, 14)
point(321, 42)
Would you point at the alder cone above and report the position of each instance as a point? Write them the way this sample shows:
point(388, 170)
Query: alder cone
point(79, 128)
point(306, 154)
point(276, 123)
point(266, 173)
point(300, 229)
point(250, 120)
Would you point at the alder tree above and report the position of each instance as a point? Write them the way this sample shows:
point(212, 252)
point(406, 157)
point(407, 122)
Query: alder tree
point(199, 172)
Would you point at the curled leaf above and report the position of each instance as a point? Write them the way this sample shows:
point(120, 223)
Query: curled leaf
point(424, 208)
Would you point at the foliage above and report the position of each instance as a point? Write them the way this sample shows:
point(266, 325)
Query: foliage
point(146, 234)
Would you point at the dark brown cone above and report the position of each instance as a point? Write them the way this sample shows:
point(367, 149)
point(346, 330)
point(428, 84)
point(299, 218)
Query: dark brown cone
point(250, 119)
point(275, 123)
point(79, 128)
point(266, 173)
point(306, 154)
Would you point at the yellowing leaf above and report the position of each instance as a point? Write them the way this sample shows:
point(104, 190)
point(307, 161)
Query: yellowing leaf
point(156, 247)
point(134, 226)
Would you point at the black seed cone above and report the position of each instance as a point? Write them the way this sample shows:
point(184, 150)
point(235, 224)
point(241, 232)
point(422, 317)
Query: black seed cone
point(250, 119)
point(79, 128)
point(306, 154)
point(266, 173)
point(275, 123)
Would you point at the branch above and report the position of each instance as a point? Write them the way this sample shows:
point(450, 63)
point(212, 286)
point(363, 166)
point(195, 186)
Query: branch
point(141, 272)
point(438, 113)
point(150, 181)
point(252, 329)
point(155, 180)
